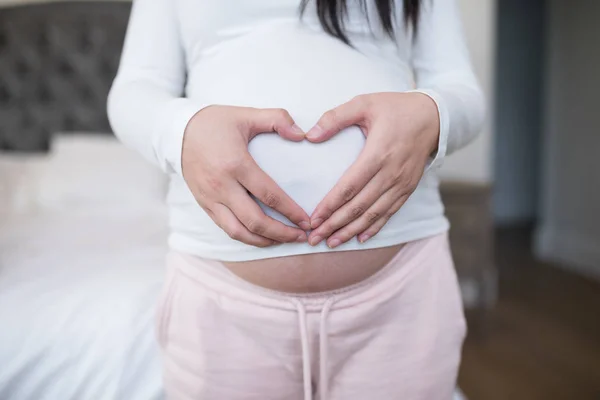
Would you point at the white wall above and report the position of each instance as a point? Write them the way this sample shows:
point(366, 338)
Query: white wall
point(474, 163)
point(570, 223)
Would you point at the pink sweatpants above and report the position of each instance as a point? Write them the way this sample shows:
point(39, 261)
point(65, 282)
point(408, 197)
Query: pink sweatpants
point(396, 335)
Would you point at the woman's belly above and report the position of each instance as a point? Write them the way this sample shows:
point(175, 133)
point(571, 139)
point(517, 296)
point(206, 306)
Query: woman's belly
point(287, 65)
point(306, 73)
point(310, 273)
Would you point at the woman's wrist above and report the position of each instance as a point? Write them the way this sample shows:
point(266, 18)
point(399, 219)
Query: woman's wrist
point(429, 116)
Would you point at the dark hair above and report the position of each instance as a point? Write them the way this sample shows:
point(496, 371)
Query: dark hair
point(332, 13)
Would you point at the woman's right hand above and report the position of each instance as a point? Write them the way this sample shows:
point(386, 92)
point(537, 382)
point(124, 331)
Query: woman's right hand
point(222, 174)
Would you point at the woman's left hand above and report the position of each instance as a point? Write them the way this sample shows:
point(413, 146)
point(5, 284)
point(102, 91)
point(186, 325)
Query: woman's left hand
point(402, 131)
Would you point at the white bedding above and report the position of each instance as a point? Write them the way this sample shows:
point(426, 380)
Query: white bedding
point(77, 296)
point(82, 245)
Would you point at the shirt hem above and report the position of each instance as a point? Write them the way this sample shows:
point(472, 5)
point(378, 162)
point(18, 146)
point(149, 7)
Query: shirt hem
point(238, 252)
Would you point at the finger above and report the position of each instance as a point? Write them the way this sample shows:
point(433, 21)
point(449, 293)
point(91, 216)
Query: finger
point(264, 188)
point(249, 213)
point(380, 223)
point(382, 209)
point(354, 209)
point(350, 184)
point(228, 222)
point(269, 120)
point(334, 120)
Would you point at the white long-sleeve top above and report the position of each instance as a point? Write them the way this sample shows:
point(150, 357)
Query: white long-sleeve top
point(181, 55)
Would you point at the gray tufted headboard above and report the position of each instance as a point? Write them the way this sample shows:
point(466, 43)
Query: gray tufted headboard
point(57, 62)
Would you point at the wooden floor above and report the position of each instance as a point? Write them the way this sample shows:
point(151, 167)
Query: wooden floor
point(542, 341)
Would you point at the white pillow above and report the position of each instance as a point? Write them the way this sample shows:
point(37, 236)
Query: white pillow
point(19, 182)
point(95, 171)
point(83, 171)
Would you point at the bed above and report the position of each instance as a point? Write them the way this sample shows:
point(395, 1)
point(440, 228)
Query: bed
point(77, 307)
point(81, 248)
point(80, 266)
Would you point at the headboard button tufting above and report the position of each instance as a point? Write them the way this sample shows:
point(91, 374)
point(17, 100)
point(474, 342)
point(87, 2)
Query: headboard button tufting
point(57, 63)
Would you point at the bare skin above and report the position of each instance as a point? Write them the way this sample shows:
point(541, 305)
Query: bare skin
point(312, 273)
point(221, 174)
point(402, 131)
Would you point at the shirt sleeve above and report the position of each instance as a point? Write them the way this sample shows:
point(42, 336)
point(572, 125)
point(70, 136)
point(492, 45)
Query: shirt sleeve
point(147, 108)
point(443, 71)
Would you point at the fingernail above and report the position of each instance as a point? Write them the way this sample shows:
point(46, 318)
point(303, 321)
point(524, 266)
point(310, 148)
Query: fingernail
point(363, 238)
point(333, 243)
point(315, 132)
point(315, 223)
point(316, 240)
point(302, 238)
point(304, 225)
point(297, 130)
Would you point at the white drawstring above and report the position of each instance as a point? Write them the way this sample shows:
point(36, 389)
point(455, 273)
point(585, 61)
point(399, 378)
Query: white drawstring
point(323, 356)
point(324, 361)
point(305, 349)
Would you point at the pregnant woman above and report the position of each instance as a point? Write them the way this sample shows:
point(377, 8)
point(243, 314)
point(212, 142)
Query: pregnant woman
point(309, 255)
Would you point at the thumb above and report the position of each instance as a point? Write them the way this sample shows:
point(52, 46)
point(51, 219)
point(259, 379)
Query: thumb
point(269, 120)
point(333, 121)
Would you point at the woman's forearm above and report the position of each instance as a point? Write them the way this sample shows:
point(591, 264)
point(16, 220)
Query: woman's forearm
point(444, 72)
point(150, 120)
point(146, 106)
